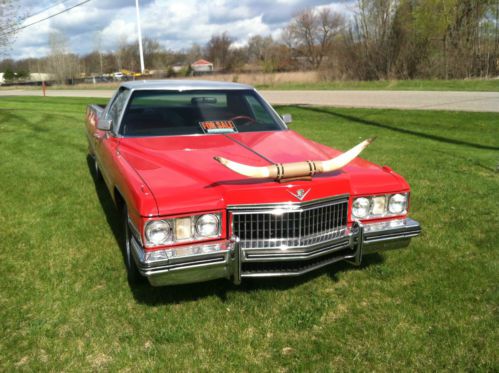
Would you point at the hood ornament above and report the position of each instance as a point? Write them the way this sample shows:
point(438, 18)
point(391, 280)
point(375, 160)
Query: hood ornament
point(300, 193)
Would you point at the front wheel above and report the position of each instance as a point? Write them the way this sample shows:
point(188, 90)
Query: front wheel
point(133, 273)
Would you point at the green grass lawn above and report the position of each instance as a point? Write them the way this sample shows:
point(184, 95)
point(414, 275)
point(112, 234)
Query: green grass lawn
point(394, 85)
point(65, 303)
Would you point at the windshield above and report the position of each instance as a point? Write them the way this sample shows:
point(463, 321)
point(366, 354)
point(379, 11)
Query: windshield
point(172, 113)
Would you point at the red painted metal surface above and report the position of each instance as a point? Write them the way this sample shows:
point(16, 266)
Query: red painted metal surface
point(175, 175)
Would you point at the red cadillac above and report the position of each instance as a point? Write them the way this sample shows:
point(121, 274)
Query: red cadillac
point(211, 184)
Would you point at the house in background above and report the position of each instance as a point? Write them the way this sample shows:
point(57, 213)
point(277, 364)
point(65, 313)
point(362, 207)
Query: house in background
point(201, 67)
point(41, 77)
point(22, 78)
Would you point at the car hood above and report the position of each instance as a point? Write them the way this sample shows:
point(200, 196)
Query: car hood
point(183, 176)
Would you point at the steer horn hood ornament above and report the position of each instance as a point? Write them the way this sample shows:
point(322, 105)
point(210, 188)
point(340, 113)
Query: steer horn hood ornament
point(296, 170)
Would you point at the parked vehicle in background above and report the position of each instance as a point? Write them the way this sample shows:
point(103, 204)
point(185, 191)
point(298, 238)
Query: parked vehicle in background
point(211, 184)
point(118, 75)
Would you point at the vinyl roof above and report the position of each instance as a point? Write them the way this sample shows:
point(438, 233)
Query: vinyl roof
point(180, 85)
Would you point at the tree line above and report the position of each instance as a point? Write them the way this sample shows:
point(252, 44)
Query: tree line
point(381, 39)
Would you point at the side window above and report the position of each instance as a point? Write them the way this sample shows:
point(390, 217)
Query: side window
point(259, 113)
point(117, 107)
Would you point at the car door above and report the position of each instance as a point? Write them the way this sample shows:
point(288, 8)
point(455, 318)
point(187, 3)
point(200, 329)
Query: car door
point(106, 142)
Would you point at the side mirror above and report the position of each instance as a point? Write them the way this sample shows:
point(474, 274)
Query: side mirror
point(104, 125)
point(287, 118)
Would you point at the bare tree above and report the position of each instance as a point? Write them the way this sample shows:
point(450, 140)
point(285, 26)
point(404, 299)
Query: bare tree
point(120, 53)
point(374, 21)
point(218, 50)
point(127, 55)
point(311, 34)
point(195, 52)
point(63, 65)
point(153, 55)
point(98, 50)
point(57, 62)
point(9, 12)
point(269, 54)
point(259, 48)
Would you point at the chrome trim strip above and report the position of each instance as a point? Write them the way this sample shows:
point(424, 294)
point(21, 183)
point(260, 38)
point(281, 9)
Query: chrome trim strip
point(409, 229)
point(142, 261)
point(236, 261)
point(197, 273)
point(298, 273)
point(390, 237)
point(165, 269)
point(265, 256)
point(310, 242)
point(137, 252)
point(134, 230)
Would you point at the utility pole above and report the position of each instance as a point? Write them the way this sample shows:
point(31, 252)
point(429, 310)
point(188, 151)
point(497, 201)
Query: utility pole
point(139, 34)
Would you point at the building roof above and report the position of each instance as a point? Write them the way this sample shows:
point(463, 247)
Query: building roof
point(181, 85)
point(201, 62)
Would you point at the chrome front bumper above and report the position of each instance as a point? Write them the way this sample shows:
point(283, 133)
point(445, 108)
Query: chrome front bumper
point(226, 259)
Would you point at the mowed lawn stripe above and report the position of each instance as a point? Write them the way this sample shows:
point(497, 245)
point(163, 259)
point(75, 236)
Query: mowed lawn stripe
point(65, 303)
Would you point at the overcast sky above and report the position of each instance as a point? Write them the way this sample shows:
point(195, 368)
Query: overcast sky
point(175, 23)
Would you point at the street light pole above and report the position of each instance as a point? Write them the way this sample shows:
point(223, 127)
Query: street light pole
point(139, 34)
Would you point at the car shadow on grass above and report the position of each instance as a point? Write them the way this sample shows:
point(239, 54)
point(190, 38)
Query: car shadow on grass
point(154, 296)
point(147, 294)
point(372, 123)
point(107, 204)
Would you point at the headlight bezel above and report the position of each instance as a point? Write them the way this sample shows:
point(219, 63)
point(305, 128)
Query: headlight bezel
point(361, 201)
point(386, 203)
point(151, 225)
point(405, 203)
point(207, 216)
point(193, 237)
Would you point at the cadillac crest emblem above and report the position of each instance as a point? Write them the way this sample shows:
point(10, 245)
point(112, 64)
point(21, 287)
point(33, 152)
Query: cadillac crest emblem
point(300, 193)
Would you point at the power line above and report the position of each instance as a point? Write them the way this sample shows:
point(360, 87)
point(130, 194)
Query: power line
point(44, 10)
point(9, 28)
point(43, 19)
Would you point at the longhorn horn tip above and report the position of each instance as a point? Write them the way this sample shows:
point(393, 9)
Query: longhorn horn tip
point(371, 140)
point(219, 159)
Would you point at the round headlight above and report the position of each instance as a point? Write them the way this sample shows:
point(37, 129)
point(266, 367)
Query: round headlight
point(207, 225)
point(361, 207)
point(397, 203)
point(158, 232)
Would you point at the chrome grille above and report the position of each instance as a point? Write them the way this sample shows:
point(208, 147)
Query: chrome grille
point(291, 225)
